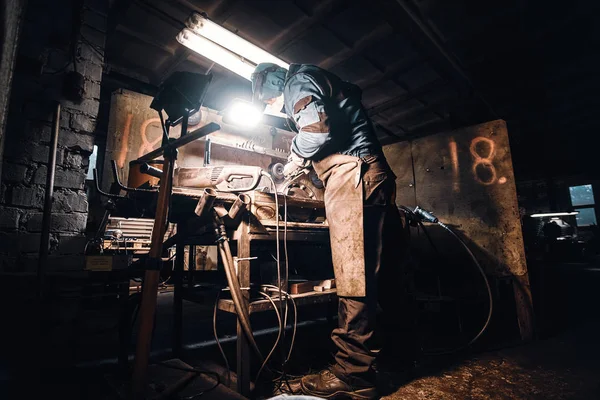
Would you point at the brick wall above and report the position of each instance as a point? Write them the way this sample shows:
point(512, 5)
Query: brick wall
point(44, 56)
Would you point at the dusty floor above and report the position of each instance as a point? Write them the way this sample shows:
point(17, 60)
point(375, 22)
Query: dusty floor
point(560, 368)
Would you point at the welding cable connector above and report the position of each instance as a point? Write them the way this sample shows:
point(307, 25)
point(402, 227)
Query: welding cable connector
point(221, 233)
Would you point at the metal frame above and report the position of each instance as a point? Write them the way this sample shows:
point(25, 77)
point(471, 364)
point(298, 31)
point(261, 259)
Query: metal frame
point(151, 277)
point(246, 233)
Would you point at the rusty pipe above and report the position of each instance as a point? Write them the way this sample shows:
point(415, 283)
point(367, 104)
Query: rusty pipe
point(239, 205)
point(147, 169)
point(100, 191)
point(206, 202)
point(47, 216)
point(182, 141)
point(115, 172)
point(151, 279)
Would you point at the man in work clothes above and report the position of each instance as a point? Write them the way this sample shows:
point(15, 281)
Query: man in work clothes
point(337, 138)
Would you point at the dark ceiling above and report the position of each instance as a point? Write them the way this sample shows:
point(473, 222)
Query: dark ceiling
point(424, 65)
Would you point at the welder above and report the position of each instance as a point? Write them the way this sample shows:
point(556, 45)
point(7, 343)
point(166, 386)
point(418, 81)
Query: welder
point(336, 137)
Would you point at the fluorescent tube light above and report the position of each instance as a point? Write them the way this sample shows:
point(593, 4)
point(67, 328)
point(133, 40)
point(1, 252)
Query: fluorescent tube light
point(229, 40)
point(216, 53)
point(556, 214)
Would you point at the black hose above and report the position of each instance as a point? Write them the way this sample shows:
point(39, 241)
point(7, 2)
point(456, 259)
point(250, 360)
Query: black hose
point(479, 268)
point(489, 291)
point(236, 294)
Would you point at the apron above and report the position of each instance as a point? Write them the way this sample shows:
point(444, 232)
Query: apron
point(341, 175)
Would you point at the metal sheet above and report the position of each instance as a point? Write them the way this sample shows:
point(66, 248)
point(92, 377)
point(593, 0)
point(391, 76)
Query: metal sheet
point(466, 178)
point(134, 130)
point(399, 157)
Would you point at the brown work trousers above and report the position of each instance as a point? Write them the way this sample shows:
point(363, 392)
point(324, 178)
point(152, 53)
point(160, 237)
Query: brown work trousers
point(386, 249)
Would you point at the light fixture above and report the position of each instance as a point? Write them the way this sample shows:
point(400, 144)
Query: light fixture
point(227, 49)
point(555, 214)
point(242, 113)
point(216, 53)
point(202, 26)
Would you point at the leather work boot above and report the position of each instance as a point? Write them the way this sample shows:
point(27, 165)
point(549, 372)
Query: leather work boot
point(327, 385)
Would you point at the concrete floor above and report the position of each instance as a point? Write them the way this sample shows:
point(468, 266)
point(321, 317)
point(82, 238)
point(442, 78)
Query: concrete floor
point(562, 365)
point(565, 367)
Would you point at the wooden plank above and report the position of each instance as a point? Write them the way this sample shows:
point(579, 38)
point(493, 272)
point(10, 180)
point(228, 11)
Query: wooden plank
point(302, 299)
point(242, 344)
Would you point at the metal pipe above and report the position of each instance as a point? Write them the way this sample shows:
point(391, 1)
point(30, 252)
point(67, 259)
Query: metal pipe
point(239, 205)
point(113, 165)
point(100, 191)
point(146, 168)
point(47, 216)
point(151, 278)
point(240, 302)
point(190, 137)
point(206, 202)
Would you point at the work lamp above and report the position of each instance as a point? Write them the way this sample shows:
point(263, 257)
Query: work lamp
point(227, 49)
point(554, 214)
point(243, 113)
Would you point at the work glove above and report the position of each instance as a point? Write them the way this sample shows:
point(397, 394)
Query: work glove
point(294, 165)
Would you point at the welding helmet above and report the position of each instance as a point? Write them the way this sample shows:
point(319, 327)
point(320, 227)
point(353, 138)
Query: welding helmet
point(268, 81)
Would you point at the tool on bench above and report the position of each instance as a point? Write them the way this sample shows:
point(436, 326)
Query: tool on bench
point(290, 179)
point(218, 177)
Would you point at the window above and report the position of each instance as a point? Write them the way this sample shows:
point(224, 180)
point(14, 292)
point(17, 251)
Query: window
point(92, 164)
point(582, 199)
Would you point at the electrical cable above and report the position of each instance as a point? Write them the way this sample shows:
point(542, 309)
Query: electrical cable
point(277, 238)
point(234, 287)
point(489, 291)
point(278, 334)
point(218, 341)
point(236, 294)
point(285, 249)
point(287, 270)
point(291, 299)
point(428, 216)
point(164, 127)
point(283, 376)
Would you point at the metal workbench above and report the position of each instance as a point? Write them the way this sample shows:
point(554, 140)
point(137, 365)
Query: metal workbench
point(249, 231)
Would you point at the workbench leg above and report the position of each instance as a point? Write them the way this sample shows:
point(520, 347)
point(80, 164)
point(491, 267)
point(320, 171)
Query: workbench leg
point(243, 363)
point(178, 300)
point(243, 347)
point(191, 265)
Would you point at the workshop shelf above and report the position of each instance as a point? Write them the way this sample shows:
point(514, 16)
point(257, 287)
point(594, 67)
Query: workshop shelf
point(302, 299)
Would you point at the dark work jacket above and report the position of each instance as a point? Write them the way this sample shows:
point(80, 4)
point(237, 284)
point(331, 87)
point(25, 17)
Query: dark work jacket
point(328, 115)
